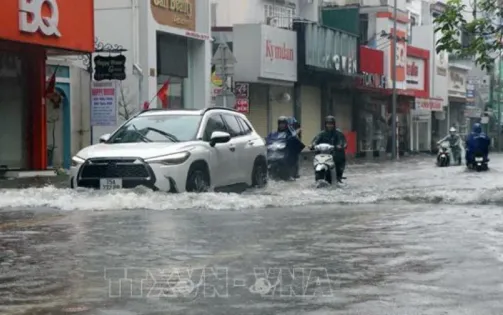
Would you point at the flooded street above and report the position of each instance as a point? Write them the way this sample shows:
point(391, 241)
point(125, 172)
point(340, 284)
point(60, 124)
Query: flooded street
point(395, 239)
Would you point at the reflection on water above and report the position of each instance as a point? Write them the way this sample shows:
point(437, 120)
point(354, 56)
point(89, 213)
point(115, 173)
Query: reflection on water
point(380, 259)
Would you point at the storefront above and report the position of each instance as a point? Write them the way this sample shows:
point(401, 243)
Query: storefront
point(267, 60)
point(457, 97)
point(371, 104)
point(175, 47)
point(327, 67)
point(418, 83)
point(31, 31)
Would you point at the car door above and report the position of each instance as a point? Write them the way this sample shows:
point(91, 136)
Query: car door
point(239, 143)
point(253, 146)
point(222, 156)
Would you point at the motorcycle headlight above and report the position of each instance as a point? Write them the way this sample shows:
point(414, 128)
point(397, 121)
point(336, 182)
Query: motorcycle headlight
point(77, 161)
point(170, 159)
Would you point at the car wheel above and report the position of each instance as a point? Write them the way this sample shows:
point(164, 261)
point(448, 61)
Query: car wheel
point(259, 174)
point(198, 180)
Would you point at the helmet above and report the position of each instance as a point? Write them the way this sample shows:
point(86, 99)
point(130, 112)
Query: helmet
point(452, 130)
point(282, 120)
point(330, 119)
point(477, 128)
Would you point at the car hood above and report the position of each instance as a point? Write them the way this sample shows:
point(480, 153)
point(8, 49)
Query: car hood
point(141, 150)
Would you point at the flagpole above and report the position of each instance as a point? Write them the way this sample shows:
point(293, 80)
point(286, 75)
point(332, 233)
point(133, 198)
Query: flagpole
point(157, 93)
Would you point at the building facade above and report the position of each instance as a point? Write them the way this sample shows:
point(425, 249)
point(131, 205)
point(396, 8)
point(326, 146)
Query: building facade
point(164, 40)
point(267, 62)
point(372, 104)
point(327, 70)
point(26, 41)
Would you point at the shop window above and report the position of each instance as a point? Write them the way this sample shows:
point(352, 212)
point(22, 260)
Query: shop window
point(413, 22)
point(279, 16)
point(175, 91)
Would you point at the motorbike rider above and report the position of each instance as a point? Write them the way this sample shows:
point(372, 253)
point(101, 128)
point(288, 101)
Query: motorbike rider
point(455, 143)
point(477, 141)
point(333, 136)
point(294, 125)
point(287, 133)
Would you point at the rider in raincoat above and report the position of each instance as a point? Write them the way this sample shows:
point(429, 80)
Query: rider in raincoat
point(332, 135)
point(294, 146)
point(477, 141)
point(455, 143)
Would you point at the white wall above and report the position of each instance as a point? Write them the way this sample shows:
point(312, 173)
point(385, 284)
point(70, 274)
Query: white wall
point(116, 23)
point(198, 94)
point(230, 12)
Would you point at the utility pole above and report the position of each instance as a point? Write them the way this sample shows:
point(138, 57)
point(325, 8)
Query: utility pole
point(498, 99)
point(224, 62)
point(498, 95)
point(394, 135)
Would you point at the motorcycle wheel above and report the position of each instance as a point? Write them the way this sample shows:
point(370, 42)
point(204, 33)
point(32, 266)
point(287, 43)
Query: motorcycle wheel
point(319, 176)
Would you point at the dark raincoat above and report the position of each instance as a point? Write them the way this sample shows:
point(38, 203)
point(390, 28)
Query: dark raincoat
point(293, 144)
point(477, 141)
point(336, 138)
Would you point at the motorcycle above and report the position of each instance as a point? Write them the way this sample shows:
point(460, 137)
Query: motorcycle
point(480, 163)
point(444, 154)
point(324, 165)
point(277, 162)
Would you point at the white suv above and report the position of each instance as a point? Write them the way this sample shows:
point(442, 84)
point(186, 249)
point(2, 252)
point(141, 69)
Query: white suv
point(175, 151)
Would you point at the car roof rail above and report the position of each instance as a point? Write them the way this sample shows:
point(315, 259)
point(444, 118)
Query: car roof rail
point(149, 110)
point(220, 108)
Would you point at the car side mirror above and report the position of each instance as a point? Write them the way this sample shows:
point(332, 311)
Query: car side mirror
point(219, 137)
point(104, 138)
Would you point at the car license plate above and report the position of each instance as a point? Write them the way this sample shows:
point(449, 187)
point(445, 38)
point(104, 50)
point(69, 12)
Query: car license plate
point(110, 183)
point(479, 159)
point(275, 156)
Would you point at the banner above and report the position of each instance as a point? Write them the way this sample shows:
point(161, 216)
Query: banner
point(104, 103)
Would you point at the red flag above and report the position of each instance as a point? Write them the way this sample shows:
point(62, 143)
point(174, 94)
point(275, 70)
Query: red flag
point(162, 94)
point(51, 84)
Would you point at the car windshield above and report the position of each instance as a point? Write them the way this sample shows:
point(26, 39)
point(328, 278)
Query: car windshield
point(158, 128)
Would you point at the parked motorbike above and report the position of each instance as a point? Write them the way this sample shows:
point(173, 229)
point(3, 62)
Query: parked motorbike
point(277, 162)
point(444, 154)
point(324, 166)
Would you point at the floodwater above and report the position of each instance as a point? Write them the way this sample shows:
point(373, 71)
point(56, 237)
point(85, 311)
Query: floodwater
point(398, 238)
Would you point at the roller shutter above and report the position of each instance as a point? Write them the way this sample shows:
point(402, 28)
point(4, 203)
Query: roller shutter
point(310, 113)
point(279, 106)
point(343, 111)
point(258, 109)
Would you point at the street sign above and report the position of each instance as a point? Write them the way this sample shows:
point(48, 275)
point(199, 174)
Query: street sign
point(242, 90)
point(242, 105)
point(224, 70)
point(224, 60)
point(223, 55)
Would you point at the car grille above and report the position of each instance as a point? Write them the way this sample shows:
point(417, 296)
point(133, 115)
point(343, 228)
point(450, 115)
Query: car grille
point(114, 168)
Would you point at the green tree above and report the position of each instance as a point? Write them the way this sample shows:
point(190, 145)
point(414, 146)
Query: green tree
point(482, 30)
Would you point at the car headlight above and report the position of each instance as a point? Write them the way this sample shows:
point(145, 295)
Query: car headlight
point(77, 161)
point(170, 159)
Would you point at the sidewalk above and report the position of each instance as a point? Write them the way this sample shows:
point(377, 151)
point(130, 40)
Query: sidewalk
point(60, 181)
